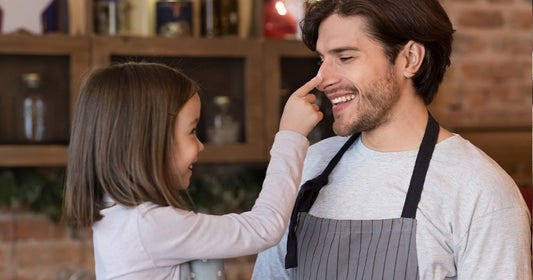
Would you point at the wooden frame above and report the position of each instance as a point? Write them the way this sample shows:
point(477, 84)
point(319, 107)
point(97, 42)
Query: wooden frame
point(77, 48)
point(273, 51)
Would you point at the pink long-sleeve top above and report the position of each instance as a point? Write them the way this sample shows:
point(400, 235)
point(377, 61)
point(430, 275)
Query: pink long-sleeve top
point(150, 241)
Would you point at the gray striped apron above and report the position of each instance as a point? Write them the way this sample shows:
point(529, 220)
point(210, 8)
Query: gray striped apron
point(319, 248)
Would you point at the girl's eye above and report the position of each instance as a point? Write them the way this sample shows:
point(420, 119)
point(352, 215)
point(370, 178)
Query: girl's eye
point(193, 131)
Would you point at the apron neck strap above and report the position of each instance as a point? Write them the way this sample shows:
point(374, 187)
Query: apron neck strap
point(421, 167)
point(305, 199)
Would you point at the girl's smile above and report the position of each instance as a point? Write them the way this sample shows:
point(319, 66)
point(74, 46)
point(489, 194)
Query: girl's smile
point(185, 139)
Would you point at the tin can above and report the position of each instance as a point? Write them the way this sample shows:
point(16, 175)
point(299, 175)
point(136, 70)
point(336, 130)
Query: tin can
point(174, 18)
point(105, 17)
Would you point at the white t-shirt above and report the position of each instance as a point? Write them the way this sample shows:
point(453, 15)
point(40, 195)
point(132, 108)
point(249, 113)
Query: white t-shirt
point(150, 241)
point(472, 220)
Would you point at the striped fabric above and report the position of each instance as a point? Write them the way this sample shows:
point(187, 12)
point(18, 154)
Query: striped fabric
point(344, 249)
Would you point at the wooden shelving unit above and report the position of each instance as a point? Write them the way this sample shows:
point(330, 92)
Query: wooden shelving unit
point(259, 74)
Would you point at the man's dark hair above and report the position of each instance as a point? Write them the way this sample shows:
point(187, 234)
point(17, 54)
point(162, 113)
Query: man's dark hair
point(394, 23)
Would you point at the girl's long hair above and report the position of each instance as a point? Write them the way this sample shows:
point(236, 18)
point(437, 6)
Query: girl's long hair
point(122, 142)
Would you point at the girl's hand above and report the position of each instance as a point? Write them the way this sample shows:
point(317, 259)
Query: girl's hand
point(301, 114)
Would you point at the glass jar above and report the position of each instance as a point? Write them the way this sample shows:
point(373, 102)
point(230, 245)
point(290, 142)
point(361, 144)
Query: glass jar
point(223, 127)
point(33, 108)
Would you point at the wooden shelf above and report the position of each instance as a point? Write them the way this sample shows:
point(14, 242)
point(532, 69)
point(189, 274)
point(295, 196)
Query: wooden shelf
point(36, 155)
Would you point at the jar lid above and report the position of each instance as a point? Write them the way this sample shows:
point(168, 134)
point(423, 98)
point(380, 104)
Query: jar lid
point(32, 79)
point(221, 100)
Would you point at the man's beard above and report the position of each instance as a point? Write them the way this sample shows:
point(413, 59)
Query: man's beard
point(374, 106)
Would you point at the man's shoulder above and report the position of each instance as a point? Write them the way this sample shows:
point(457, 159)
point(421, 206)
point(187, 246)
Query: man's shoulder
point(471, 173)
point(327, 144)
point(459, 153)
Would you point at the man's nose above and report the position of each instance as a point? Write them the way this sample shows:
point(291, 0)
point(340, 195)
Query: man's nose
point(329, 75)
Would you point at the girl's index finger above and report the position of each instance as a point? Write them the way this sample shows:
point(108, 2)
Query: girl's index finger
point(309, 86)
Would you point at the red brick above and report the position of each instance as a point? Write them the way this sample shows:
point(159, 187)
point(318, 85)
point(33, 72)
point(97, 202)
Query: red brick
point(3, 261)
point(494, 70)
point(48, 256)
point(7, 230)
point(468, 43)
point(481, 18)
point(523, 69)
point(446, 99)
point(88, 256)
point(34, 227)
point(510, 44)
point(476, 96)
point(521, 19)
point(511, 94)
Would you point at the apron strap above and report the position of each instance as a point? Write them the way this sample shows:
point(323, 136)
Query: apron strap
point(421, 167)
point(305, 199)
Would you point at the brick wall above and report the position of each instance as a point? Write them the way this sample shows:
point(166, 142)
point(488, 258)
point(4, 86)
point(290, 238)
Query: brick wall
point(34, 247)
point(489, 82)
point(489, 85)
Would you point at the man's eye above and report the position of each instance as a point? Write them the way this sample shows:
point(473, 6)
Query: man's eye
point(345, 58)
point(193, 131)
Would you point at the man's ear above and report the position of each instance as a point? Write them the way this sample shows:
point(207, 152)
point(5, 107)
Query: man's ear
point(413, 54)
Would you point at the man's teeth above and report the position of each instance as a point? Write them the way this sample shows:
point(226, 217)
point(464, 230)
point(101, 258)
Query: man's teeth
point(342, 99)
point(190, 167)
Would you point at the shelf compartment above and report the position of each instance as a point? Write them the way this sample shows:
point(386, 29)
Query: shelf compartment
point(222, 66)
point(61, 60)
point(288, 64)
point(55, 96)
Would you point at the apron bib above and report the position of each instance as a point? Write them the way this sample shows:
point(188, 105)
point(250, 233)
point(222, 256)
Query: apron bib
point(319, 248)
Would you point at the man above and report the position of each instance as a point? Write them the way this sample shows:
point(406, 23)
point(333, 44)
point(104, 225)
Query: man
point(402, 197)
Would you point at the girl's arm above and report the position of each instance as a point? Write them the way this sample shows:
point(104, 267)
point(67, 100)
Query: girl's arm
point(173, 236)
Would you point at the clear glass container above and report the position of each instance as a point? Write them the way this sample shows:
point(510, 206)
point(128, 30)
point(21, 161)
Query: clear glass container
point(223, 127)
point(33, 108)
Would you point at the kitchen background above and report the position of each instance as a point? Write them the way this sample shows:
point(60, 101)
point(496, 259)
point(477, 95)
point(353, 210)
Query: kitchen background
point(247, 57)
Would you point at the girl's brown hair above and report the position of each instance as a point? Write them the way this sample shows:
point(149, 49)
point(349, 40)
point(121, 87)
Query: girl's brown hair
point(121, 142)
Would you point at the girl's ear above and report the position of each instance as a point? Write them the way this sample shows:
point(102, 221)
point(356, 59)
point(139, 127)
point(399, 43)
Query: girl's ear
point(413, 54)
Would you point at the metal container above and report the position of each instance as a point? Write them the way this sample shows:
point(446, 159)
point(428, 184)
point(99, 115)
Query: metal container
point(174, 18)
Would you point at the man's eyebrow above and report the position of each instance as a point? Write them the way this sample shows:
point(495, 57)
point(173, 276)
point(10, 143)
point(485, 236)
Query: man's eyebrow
point(338, 50)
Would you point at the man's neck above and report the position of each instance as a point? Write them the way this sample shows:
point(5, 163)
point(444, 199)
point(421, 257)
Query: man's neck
point(402, 130)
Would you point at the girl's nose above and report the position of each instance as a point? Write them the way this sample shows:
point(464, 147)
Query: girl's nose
point(200, 146)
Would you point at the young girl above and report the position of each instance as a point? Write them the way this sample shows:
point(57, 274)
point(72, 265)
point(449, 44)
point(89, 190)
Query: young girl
point(134, 145)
